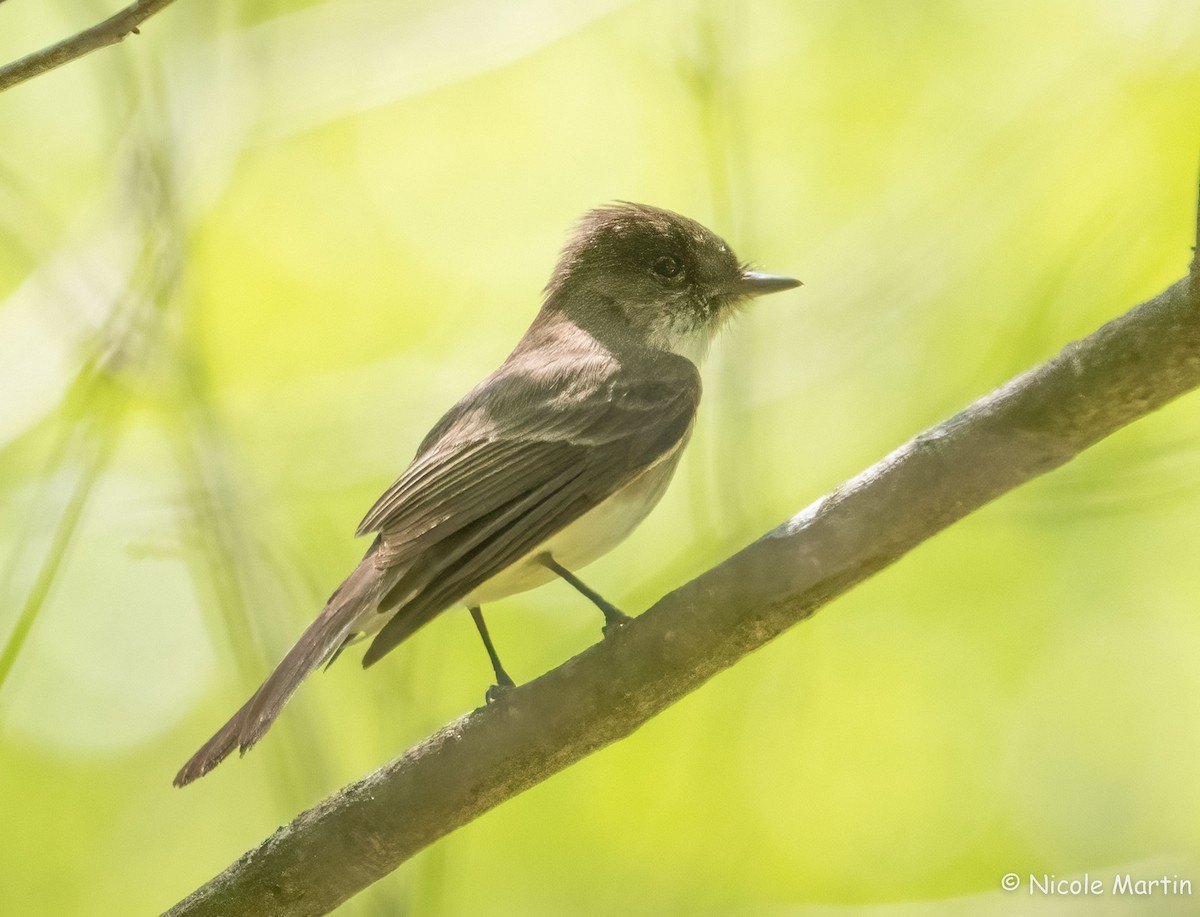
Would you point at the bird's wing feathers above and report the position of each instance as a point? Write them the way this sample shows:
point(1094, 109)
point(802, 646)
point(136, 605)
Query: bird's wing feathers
point(471, 505)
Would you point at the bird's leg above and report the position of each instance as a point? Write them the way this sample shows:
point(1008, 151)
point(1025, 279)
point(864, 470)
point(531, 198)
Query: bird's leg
point(503, 682)
point(613, 616)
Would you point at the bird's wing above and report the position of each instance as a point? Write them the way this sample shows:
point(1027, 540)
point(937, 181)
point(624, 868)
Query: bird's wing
point(481, 496)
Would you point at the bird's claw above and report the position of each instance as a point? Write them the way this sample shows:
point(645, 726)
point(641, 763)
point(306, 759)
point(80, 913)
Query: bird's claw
point(495, 692)
point(614, 620)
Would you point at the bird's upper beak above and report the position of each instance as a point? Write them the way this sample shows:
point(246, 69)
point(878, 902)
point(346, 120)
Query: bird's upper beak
point(752, 283)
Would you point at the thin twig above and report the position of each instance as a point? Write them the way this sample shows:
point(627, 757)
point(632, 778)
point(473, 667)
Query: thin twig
point(1037, 422)
point(101, 35)
point(98, 441)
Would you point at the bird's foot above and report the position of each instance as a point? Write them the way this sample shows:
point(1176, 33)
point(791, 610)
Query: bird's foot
point(497, 691)
point(614, 620)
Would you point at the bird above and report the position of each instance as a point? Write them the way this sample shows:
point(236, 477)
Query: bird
point(544, 466)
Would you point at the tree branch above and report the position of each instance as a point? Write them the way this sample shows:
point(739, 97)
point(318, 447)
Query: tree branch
point(101, 35)
point(1195, 267)
point(1035, 423)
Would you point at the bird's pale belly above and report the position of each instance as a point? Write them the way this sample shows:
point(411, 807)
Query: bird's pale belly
point(591, 536)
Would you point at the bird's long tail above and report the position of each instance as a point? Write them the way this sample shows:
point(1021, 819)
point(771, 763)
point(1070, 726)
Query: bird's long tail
point(360, 592)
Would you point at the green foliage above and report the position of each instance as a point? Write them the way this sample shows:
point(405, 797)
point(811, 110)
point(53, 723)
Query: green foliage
point(245, 262)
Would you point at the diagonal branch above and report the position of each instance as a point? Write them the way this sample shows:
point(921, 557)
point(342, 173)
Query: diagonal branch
point(101, 35)
point(1195, 266)
point(1035, 423)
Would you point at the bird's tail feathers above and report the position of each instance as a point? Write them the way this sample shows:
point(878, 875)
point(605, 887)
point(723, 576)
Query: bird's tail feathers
point(323, 638)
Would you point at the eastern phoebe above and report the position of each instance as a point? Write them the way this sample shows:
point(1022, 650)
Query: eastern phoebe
point(545, 465)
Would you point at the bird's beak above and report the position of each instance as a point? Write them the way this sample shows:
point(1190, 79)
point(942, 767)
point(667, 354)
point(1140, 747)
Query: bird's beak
point(752, 283)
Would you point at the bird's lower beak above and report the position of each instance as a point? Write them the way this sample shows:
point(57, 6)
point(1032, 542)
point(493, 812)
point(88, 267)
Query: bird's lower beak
point(752, 283)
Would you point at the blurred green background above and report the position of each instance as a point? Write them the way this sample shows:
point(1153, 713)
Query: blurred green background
point(249, 256)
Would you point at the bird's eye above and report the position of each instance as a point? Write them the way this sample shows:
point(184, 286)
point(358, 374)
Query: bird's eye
point(666, 266)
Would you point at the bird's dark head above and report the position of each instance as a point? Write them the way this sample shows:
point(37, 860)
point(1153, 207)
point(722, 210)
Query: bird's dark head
point(640, 273)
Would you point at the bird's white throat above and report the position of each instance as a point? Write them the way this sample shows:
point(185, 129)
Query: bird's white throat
point(686, 338)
